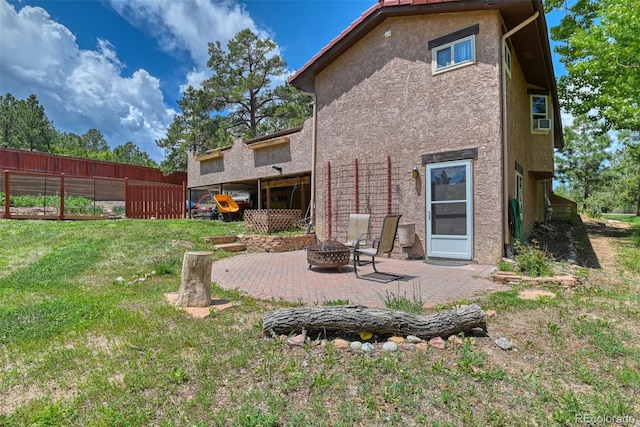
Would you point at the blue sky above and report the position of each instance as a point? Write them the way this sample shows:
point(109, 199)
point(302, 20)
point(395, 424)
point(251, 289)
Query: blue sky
point(120, 65)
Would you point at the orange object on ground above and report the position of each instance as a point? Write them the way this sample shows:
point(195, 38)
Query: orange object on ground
point(225, 203)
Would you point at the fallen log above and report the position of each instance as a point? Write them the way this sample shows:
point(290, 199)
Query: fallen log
point(357, 318)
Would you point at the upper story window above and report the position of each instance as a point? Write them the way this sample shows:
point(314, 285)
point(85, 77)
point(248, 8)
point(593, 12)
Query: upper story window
point(454, 50)
point(540, 117)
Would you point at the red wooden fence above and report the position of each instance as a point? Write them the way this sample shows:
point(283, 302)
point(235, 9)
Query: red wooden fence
point(30, 161)
point(141, 201)
point(155, 201)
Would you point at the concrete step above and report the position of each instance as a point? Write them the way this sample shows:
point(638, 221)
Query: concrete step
point(231, 247)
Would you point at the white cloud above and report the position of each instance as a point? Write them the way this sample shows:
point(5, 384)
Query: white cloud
point(188, 26)
point(195, 79)
point(79, 89)
point(87, 88)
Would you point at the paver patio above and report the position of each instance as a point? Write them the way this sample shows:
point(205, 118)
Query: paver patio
point(286, 276)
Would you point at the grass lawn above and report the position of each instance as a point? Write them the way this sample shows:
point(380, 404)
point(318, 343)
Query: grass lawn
point(80, 347)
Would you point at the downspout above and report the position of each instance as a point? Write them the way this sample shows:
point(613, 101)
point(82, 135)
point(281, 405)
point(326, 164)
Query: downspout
point(314, 143)
point(505, 163)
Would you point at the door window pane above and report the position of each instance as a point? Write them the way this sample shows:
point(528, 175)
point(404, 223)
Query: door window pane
point(449, 184)
point(449, 219)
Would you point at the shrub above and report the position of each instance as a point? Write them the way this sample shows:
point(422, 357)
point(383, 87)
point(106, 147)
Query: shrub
point(532, 260)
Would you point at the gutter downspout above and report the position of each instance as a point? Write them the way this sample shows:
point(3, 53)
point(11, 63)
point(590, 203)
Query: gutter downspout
point(314, 144)
point(505, 163)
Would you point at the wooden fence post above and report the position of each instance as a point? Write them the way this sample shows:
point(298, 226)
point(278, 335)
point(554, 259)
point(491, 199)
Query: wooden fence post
point(62, 196)
point(127, 201)
point(7, 202)
point(183, 211)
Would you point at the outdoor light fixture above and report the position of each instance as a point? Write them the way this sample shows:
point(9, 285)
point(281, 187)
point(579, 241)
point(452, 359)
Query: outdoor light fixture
point(415, 172)
point(278, 168)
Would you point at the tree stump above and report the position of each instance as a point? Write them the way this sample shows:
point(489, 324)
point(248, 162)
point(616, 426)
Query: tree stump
point(357, 318)
point(195, 286)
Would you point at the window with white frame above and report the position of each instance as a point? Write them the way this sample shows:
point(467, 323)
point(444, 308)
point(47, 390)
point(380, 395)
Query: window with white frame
point(540, 118)
point(454, 54)
point(454, 50)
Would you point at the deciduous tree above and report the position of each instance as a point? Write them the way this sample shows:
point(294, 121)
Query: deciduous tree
point(600, 47)
point(130, 153)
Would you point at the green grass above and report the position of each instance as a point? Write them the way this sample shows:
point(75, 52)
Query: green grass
point(72, 205)
point(79, 347)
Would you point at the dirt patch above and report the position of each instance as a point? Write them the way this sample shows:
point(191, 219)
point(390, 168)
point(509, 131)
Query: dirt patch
point(586, 242)
point(534, 294)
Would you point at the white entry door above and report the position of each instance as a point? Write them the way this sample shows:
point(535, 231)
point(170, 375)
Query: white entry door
point(449, 210)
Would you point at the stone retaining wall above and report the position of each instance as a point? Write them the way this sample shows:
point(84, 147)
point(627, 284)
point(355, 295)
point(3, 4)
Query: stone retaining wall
point(266, 243)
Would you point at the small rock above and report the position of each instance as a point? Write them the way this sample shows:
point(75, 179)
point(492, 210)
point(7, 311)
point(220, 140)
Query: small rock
point(120, 279)
point(490, 313)
point(297, 340)
point(413, 339)
point(340, 343)
point(422, 346)
point(504, 343)
point(355, 346)
point(396, 340)
point(438, 343)
point(367, 347)
point(390, 346)
point(408, 346)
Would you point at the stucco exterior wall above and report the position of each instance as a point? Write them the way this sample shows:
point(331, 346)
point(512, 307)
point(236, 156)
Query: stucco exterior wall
point(532, 151)
point(380, 98)
point(241, 163)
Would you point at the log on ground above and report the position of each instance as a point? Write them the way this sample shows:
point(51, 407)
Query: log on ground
point(357, 318)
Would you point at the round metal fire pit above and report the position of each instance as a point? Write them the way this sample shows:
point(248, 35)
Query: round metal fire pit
point(329, 254)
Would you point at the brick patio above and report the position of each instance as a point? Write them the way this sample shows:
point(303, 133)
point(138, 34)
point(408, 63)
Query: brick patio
point(286, 275)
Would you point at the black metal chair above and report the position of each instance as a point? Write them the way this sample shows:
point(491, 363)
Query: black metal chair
point(382, 245)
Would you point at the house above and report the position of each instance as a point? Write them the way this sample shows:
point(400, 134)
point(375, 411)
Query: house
point(443, 111)
point(274, 169)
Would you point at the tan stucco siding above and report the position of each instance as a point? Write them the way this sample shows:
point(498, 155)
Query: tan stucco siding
point(380, 98)
point(533, 152)
point(240, 163)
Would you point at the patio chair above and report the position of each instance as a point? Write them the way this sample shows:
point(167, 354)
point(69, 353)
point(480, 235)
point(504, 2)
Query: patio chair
point(358, 226)
point(382, 245)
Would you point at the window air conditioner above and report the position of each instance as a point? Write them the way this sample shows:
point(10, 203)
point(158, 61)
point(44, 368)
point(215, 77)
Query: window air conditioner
point(542, 124)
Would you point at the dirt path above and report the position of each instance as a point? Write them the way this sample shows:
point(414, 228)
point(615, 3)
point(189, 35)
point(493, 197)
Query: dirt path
point(601, 236)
